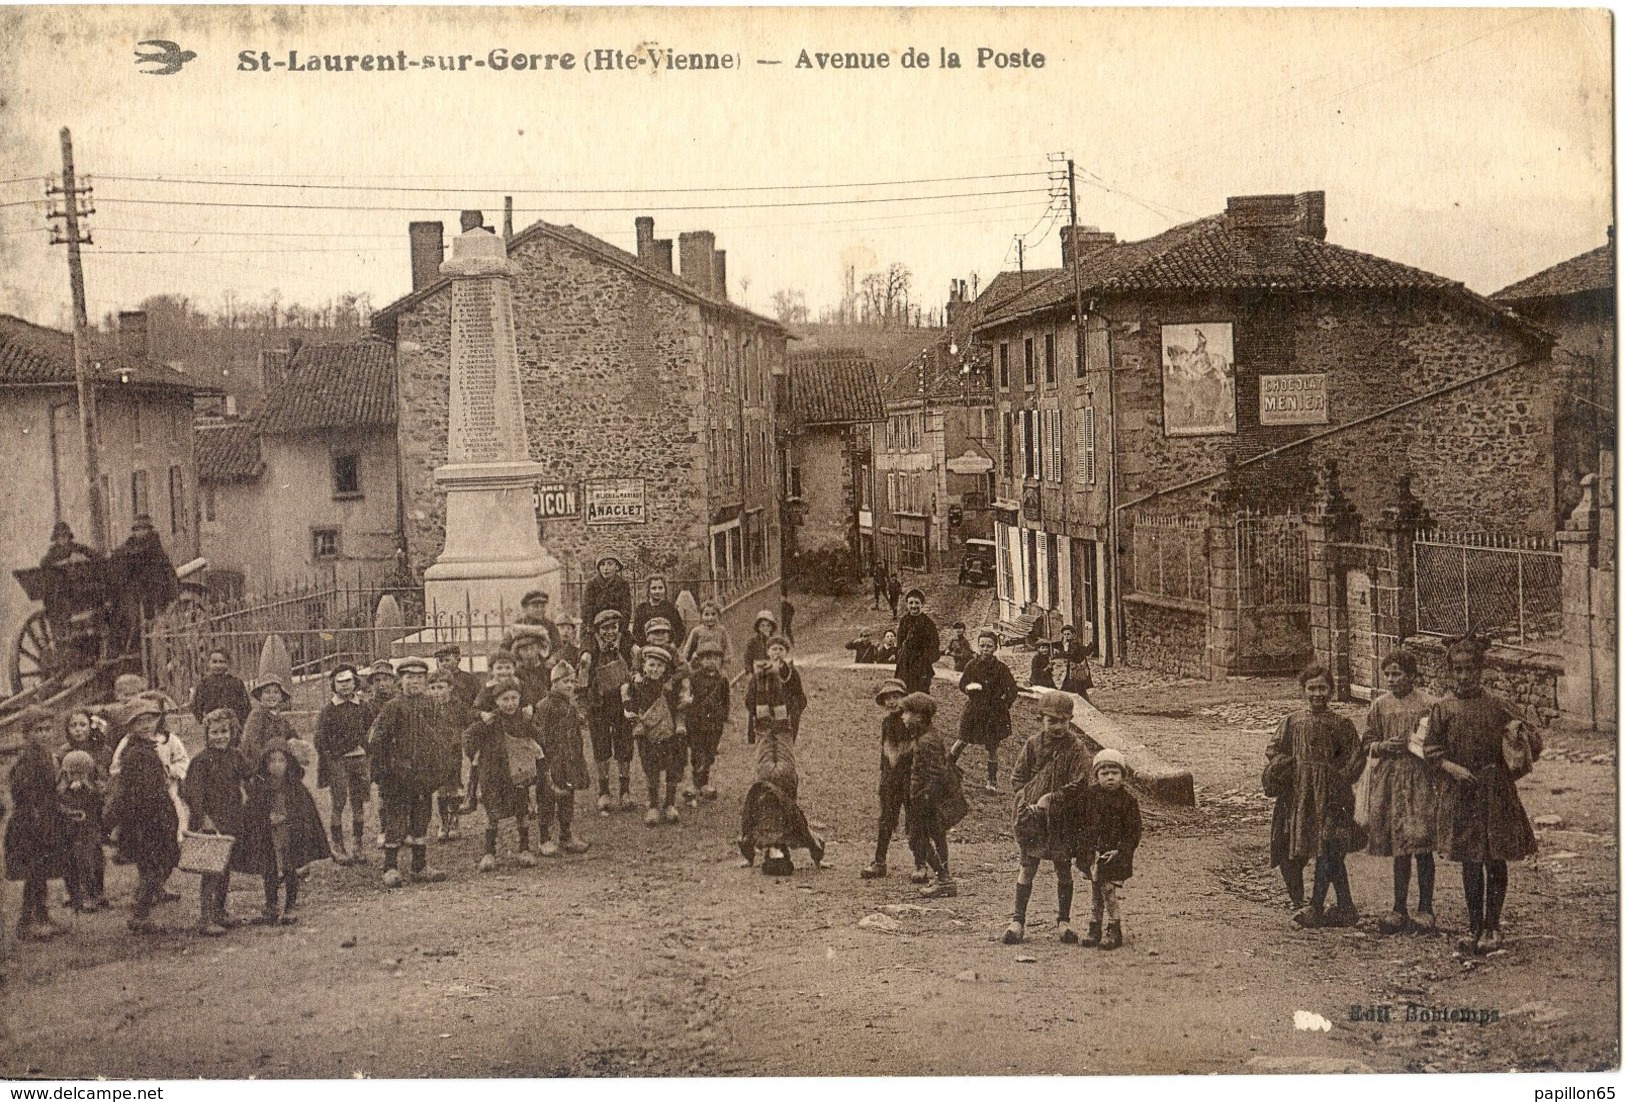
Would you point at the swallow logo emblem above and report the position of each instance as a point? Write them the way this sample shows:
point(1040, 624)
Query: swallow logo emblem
point(168, 56)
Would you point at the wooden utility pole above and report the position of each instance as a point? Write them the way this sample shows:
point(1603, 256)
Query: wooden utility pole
point(88, 433)
point(1106, 638)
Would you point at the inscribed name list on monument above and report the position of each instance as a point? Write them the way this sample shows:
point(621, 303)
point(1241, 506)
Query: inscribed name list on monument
point(475, 437)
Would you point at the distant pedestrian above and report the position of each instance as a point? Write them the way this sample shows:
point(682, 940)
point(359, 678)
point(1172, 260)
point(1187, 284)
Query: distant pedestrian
point(866, 650)
point(1076, 654)
point(787, 614)
point(1484, 749)
point(918, 645)
point(1110, 835)
point(877, 578)
point(1049, 773)
point(990, 691)
point(936, 802)
point(1402, 802)
point(1315, 818)
point(220, 688)
point(894, 591)
point(1039, 675)
point(960, 649)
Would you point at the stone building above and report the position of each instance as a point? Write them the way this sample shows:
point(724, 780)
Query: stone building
point(146, 456)
point(309, 487)
point(649, 400)
point(831, 403)
point(1574, 301)
point(1239, 352)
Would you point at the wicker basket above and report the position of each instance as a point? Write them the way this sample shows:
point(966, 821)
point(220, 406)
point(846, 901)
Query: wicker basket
point(209, 854)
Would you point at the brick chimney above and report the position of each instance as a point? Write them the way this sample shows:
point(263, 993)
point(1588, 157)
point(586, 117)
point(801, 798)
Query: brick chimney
point(646, 236)
point(1267, 228)
point(696, 252)
point(274, 367)
point(719, 273)
point(1309, 209)
point(660, 255)
point(428, 250)
point(132, 334)
point(1083, 240)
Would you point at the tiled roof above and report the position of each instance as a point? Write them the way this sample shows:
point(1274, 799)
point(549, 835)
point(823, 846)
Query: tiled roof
point(1592, 271)
point(229, 452)
point(34, 355)
point(833, 388)
point(541, 231)
point(1213, 254)
point(334, 386)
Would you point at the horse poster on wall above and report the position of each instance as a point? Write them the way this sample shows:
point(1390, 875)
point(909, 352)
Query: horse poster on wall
point(1198, 379)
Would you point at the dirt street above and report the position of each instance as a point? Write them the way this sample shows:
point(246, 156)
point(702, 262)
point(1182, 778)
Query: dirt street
point(653, 954)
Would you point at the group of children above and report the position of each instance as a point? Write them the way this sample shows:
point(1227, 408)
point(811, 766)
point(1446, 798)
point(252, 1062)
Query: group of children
point(1436, 777)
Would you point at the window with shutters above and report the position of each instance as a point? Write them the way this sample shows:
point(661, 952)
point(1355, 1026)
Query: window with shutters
point(139, 502)
point(1056, 435)
point(1029, 456)
point(1029, 366)
point(1006, 445)
point(177, 501)
point(1086, 447)
point(1049, 359)
point(1004, 366)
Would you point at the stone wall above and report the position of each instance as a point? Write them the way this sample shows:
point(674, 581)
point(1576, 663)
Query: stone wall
point(1166, 636)
point(1482, 456)
point(622, 378)
point(1524, 680)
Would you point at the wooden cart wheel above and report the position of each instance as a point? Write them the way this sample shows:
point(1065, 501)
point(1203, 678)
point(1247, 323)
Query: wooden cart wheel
point(33, 656)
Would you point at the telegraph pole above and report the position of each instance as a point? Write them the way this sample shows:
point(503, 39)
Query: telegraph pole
point(72, 237)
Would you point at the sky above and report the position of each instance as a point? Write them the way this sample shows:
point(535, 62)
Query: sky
point(1472, 143)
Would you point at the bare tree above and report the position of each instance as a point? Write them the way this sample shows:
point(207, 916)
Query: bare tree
point(885, 293)
point(790, 306)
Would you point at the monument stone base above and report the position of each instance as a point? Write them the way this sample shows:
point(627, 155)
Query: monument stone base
point(492, 556)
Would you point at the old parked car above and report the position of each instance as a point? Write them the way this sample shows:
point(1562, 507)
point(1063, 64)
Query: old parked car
point(978, 566)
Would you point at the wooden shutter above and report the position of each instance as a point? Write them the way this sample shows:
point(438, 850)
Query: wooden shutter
point(1086, 446)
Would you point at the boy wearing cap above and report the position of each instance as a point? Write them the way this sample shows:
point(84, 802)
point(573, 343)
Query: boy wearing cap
point(558, 727)
point(650, 706)
point(1110, 835)
point(465, 686)
point(607, 666)
point(918, 644)
point(533, 650)
point(1049, 772)
point(896, 757)
point(38, 836)
point(990, 690)
point(405, 753)
point(657, 605)
point(382, 684)
point(341, 760)
point(935, 800)
point(534, 614)
point(452, 718)
point(608, 590)
point(707, 716)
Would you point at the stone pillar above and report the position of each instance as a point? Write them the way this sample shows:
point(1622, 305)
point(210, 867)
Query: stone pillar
point(1397, 530)
point(1577, 686)
point(1331, 520)
point(492, 554)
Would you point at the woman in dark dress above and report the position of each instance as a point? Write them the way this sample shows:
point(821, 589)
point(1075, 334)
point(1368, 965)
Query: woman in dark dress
point(990, 689)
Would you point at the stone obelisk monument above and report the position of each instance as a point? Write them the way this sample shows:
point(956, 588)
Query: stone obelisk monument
point(492, 554)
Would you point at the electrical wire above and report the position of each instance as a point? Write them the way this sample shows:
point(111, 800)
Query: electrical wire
point(560, 191)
